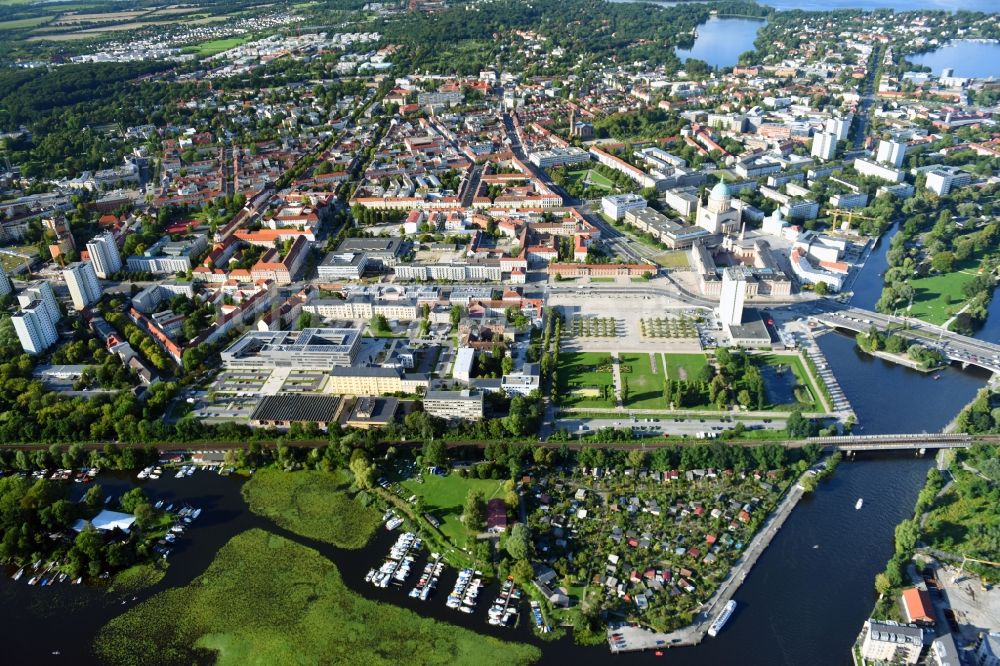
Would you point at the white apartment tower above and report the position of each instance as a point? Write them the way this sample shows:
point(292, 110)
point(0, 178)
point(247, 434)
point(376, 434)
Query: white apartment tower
point(83, 285)
point(824, 146)
point(891, 152)
point(839, 127)
point(104, 255)
point(5, 287)
point(41, 291)
point(35, 330)
point(734, 289)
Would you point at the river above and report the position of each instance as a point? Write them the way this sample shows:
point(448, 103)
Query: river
point(865, 5)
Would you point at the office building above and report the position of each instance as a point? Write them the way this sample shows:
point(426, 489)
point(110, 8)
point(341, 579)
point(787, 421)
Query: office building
point(616, 205)
point(104, 255)
point(731, 300)
point(824, 146)
point(454, 405)
point(41, 291)
point(308, 349)
point(891, 152)
point(84, 289)
point(35, 330)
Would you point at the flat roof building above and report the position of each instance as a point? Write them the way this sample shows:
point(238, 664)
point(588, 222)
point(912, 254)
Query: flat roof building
point(454, 405)
point(309, 349)
point(283, 410)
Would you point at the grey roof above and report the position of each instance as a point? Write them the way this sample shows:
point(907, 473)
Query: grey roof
point(316, 408)
point(896, 633)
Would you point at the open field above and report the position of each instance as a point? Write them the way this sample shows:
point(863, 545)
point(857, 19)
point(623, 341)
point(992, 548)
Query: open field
point(444, 497)
point(591, 177)
point(18, 24)
point(317, 505)
point(580, 382)
point(684, 366)
point(214, 46)
point(672, 259)
point(268, 600)
point(645, 389)
point(933, 296)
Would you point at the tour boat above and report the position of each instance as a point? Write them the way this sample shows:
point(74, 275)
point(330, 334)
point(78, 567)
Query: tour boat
point(721, 620)
point(20, 572)
point(857, 505)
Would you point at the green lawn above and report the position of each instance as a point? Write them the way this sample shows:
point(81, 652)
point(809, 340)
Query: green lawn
point(268, 600)
point(645, 389)
point(444, 497)
point(317, 505)
point(934, 295)
point(691, 364)
point(673, 259)
point(579, 382)
point(591, 176)
point(214, 46)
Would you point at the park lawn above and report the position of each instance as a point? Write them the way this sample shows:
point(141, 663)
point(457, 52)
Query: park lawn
point(935, 295)
point(317, 505)
point(444, 497)
point(691, 364)
point(645, 389)
point(575, 373)
point(267, 600)
point(673, 259)
point(602, 279)
point(802, 378)
point(596, 178)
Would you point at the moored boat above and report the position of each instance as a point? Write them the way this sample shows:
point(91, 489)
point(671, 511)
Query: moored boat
point(721, 620)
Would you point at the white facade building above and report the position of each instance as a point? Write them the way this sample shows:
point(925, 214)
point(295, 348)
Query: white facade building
point(41, 291)
point(81, 279)
point(104, 255)
point(824, 146)
point(731, 301)
point(616, 205)
point(891, 152)
point(35, 330)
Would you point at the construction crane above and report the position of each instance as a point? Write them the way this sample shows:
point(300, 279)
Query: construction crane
point(836, 213)
point(961, 569)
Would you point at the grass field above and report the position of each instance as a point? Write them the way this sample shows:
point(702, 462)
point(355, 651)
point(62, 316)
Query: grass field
point(684, 366)
point(317, 505)
point(933, 296)
point(214, 46)
point(576, 373)
point(645, 389)
point(673, 259)
point(444, 497)
point(267, 600)
point(595, 178)
point(18, 24)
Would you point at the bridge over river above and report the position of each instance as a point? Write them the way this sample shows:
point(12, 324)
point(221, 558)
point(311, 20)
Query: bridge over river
point(958, 348)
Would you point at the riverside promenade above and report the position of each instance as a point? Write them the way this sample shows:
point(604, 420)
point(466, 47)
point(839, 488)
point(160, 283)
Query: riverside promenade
point(638, 638)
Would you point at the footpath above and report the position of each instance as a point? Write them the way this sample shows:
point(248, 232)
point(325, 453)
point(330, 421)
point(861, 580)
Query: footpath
point(638, 638)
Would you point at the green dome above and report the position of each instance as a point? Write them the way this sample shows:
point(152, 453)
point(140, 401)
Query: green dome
point(720, 191)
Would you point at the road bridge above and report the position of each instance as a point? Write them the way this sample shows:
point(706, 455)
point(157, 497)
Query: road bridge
point(954, 346)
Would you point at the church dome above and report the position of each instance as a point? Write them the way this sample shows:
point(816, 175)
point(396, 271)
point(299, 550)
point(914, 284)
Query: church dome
point(720, 191)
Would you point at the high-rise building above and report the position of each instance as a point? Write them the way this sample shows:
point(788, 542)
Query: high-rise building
point(5, 287)
point(83, 285)
point(34, 328)
point(734, 289)
point(41, 291)
point(839, 127)
point(891, 152)
point(104, 255)
point(824, 146)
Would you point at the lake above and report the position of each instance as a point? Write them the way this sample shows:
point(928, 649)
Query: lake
point(721, 41)
point(866, 5)
point(967, 58)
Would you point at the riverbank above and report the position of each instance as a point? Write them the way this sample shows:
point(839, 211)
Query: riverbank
point(900, 359)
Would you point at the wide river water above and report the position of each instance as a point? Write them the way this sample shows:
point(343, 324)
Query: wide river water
point(803, 603)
